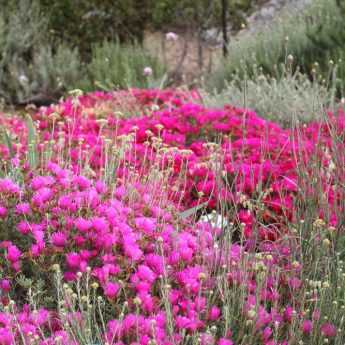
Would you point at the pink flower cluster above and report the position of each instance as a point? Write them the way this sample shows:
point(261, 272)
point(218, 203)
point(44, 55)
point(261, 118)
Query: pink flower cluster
point(133, 244)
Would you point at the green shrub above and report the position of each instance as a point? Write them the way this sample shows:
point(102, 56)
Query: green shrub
point(285, 98)
point(184, 13)
point(22, 31)
point(56, 72)
point(83, 23)
point(115, 65)
point(313, 35)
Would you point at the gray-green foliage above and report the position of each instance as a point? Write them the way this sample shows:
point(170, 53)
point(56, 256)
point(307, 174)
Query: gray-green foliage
point(114, 65)
point(285, 98)
point(28, 63)
point(300, 33)
point(56, 71)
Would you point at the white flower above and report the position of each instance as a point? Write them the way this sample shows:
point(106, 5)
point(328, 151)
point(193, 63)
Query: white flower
point(147, 71)
point(216, 220)
point(171, 36)
point(23, 79)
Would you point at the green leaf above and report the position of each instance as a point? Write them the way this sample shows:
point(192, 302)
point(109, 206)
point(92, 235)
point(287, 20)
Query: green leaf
point(192, 211)
point(24, 281)
point(9, 144)
point(32, 143)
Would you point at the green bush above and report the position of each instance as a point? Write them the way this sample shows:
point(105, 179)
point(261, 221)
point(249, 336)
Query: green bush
point(288, 98)
point(313, 35)
point(83, 23)
point(28, 64)
point(115, 65)
point(205, 13)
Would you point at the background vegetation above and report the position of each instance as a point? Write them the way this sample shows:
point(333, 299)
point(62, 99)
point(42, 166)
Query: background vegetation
point(49, 47)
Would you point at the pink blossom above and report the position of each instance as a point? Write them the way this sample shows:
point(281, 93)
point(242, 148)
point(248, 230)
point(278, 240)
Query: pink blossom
point(328, 330)
point(171, 36)
point(224, 341)
point(82, 224)
point(147, 71)
point(73, 260)
point(3, 211)
point(13, 253)
point(214, 313)
point(58, 239)
point(5, 285)
point(23, 208)
point(307, 326)
point(111, 289)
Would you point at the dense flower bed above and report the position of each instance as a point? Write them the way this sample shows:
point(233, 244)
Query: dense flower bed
point(115, 224)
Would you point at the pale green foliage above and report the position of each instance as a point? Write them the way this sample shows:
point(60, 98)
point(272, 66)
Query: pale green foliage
point(286, 99)
point(114, 65)
point(57, 71)
point(28, 64)
point(293, 32)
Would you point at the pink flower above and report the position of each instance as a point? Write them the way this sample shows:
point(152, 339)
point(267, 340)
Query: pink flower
point(24, 227)
point(223, 341)
point(73, 260)
point(146, 274)
point(147, 225)
point(111, 289)
point(23, 208)
point(267, 333)
point(69, 276)
point(5, 285)
point(214, 313)
point(171, 36)
point(307, 326)
point(58, 239)
point(6, 337)
point(3, 212)
point(13, 253)
point(101, 187)
point(328, 330)
point(207, 339)
point(8, 186)
point(82, 224)
point(100, 224)
point(147, 71)
point(42, 196)
point(82, 182)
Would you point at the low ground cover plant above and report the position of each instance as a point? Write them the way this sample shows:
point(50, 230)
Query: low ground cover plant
point(144, 217)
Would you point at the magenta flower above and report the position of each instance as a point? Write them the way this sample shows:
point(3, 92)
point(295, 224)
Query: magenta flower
point(7, 186)
point(73, 260)
point(3, 211)
point(111, 289)
point(100, 224)
point(5, 285)
point(214, 313)
point(13, 254)
point(145, 273)
point(224, 341)
point(307, 326)
point(82, 182)
point(6, 336)
point(23, 208)
point(328, 330)
point(82, 224)
point(147, 225)
point(58, 239)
